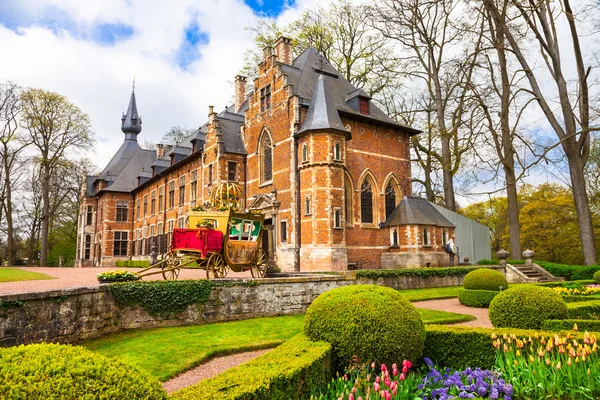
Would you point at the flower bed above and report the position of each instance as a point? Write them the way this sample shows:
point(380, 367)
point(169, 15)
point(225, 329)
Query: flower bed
point(117, 276)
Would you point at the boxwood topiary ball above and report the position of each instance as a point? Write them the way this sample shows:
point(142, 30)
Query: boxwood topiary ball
point(526, 307)
point(597, 276)
point(66, 372)
point(372, 322)
point(485, 279)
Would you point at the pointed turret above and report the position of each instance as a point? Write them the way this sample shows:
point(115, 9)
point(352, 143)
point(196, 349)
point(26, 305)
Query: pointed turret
point(131, 122)
point(322, 113)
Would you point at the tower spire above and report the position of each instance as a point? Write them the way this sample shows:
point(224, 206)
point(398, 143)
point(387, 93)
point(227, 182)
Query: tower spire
point(131, 122)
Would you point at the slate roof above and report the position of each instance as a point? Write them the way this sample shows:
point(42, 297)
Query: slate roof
point(322, 112)
point(416, 211)
point(304, 73)
point(89, 185)
point(139, 165)
point(115, 166)
point(131, 122)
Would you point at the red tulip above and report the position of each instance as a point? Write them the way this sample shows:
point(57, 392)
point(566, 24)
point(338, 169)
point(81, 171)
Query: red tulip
point(350, 396)
point(402, 377)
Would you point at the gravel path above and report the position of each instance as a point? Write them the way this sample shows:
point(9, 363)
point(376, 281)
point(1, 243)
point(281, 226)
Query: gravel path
point(210, 369)
point(453, 305)
point(78, 277)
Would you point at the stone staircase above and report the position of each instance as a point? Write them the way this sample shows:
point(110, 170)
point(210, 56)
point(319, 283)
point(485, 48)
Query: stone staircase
point(533, 273)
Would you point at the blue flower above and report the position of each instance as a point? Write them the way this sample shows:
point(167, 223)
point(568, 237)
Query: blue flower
point(428, 361)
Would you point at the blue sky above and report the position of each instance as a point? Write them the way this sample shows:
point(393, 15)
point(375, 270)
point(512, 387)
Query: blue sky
point(271, 8)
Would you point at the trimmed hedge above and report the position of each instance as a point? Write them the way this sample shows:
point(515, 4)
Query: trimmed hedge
point(497, 262)
point(133, 263)
point(432, 271)
point(372, 322)
point(460, 347)
point(526, 307)
point(288, 372)
point(53, 371)
point(161, 297)
point(584, 310)
point(596, 277)
point(476, 298)
point(485, 279)
point(583, 325)
point(570, 272)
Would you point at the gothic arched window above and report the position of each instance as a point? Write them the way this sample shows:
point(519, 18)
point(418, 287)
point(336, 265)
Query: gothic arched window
point(390, 200)
point(348, 199)
point(266, 158)
point(366, 202)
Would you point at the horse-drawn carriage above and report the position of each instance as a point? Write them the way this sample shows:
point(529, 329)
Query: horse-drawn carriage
point(219, 239)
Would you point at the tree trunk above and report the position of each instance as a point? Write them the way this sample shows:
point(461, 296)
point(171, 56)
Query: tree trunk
point(584, 217)
point(10, 243)
point(45, 216)
point(513, 213)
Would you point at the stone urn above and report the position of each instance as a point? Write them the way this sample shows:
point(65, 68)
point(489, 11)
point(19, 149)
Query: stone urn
point(502, 256)
point(528, 256)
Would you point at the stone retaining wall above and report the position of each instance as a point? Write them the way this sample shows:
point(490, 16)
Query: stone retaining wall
point(69, 316)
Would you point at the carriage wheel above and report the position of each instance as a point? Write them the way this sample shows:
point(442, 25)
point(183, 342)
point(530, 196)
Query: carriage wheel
point(215, 266)
point(169, 267)
point(258, 268)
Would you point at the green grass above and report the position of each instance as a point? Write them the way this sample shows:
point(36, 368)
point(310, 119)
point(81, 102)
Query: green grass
point(10, 274)
point(442, 317)
point(166, 352)
point(446, 292)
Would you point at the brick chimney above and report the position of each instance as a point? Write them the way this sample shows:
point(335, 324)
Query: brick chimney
point(160, 150)
point(240, 91)
point(211, 114)
point(283, 50)
point(267, 52)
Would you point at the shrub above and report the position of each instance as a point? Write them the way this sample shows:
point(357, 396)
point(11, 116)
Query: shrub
point(526, 307)
point(52, 371)
point(476, 298)
point(584, 310)
point(485, 279)
point(385, 273)
point(289, 371)
point(133, 264)
point(462, 347)
point(570, 272)
point(117, 276)
point(596, 276)
point(161, 297)
point(497, 262)
point(372, 322)
point(583, 325)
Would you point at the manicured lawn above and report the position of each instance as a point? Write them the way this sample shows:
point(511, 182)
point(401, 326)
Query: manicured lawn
point(446, 292)
point(10, 274)
point(442, 317)
point(166, 352)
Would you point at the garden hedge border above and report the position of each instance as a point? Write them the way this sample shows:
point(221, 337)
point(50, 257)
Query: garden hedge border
point(461, 347)
point(497, 262)
point(557, 325)
point(385, 273)
point(584, 310)
point(289, 371)
point(476, 298)
point(132, 263)
point(570, 272)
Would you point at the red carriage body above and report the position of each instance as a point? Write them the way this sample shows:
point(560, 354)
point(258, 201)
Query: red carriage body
point(202, 240)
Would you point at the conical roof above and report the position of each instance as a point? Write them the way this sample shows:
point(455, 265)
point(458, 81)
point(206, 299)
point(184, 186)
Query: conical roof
point(131, 123)
point(322, 113)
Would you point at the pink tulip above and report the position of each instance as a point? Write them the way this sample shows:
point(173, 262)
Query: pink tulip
point(394, 366)
point(360, 398)
point(383, 367)
point(350, 396)
point(406, 364)
point(354, 389)
point(373, 365)
point(376, 386)
point(404, 370)
point(386, 374)
point(387, 381)
point(402, 377)
point(378, 379)
point(388, 396)
point(395, 391)
point(345, 377)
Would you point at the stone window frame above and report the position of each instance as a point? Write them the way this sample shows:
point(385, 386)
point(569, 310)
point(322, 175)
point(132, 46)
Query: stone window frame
point(426, 235)
point(193, 187)
point(368, 177)
point(121, 210)
point(87, 251)
point(181, 186)
point(283, 234)
point(210, 174)
point(307, 205)
point(171, 195)
point(138, 209)
point(89, 215)
point(145, 205)
point(337, 218)
point(391, 180)
point(265, 98)
point(305, 153)
point(120, 244)
point(348, 199)
point(153, 202)
point(445, 236)
point(161, 197)
point(232, 166)
point(394, 237)
point(265, 180)
point(337, 151)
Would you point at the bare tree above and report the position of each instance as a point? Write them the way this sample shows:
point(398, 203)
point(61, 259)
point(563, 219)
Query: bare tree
point(571, 121)
point(442, 56)
point(55, 126)
point(11, 146)
point(175, 135)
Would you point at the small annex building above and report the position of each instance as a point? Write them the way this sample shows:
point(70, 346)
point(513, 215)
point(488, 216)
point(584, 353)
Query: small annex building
point(329, 170)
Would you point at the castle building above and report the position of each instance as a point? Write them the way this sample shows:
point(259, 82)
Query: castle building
point(329, 170)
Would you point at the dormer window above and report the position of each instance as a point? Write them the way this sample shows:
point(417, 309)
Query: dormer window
point(265, 98)
point(364, 105)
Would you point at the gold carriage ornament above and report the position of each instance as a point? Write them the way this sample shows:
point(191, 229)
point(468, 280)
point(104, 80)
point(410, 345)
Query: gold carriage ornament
point(219, 238)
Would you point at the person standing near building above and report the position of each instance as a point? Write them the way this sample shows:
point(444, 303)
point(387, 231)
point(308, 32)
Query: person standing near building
point(451, 250)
